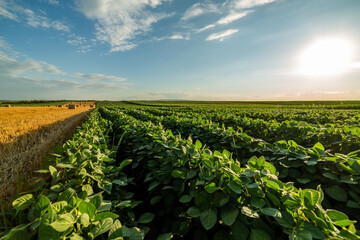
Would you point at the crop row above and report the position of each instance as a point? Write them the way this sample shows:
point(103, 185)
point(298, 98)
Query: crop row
point(337, 139)
point(69, 201)
point(201, 193)
point(338, 174)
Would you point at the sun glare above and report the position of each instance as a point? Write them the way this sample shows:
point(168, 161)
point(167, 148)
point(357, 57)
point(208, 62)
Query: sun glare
point(324, 57)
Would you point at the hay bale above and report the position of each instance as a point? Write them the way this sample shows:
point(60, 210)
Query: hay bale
point(91, 106)
point(77, 105)
point(71, 106)
point(7, 105)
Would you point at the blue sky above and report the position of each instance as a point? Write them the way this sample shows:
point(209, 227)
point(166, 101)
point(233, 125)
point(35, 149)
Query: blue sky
point(176, 49)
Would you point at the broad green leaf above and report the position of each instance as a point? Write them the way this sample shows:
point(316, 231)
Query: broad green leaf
point(164, 236)
point(67, 195)
point(337, 193)
point(249, 212)
point(124, 163)
point(102, 227)
point(63, 222)
point(84, 219)
point(153, 185)
point(185, 198)
point(75, 236)
point(41, 206)
point(177, 174)
point(88, 188)
point(23, 202)
point(229, 214)
point(103, 215)
point(235, 187)
point(308, 227)
point(193, 212)
point(319, 146)
point(211, 187)
point(258, 234)
point(115, 230)
point(45, 231)
point(257, 202)
point(208, 219)
point(335, 215)
point(271, 212)
point(146, 218)
point(239, 231)
point(58, 206)
point(198, 144)
point(87, 207)
point(311, 197)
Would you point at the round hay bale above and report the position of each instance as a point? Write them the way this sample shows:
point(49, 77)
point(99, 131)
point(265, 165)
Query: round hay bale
point(71, 106)
point(7, 105)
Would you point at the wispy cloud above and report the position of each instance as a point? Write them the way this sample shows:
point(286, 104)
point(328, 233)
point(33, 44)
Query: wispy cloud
point(233, 16)
point(119, 23)
point(243, 4)
point(221, 35)
point(206, 27)
point(199, 9)
point(37, 20)
point(175, 37)
point(100, 77)
point(6, 11)
point(53, 2)
point(18, 75)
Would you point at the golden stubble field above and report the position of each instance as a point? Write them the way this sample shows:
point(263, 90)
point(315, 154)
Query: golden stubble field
point(27, 133)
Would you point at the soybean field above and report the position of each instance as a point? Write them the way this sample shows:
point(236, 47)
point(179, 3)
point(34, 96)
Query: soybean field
point(198, 171)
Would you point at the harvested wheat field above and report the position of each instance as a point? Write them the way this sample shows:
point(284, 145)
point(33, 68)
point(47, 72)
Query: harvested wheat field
point(27, 133)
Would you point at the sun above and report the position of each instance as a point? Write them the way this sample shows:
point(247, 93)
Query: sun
point(326, 57)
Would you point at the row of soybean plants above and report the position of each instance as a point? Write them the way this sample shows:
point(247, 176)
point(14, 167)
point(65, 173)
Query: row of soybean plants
point(72, 199)
point(337, 138)
point(314, 116)
point(199, 193)
point(338, 174)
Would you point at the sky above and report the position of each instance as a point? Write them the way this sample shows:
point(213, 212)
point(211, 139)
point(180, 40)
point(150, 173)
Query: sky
point(245, 50)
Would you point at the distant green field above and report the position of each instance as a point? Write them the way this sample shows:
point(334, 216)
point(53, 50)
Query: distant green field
point(296, 104)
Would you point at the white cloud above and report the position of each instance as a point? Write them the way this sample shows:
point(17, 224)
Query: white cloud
point(199, 9)
point(54, 2)
point(7, 12)
point(100, 77)
point(221, 35)
point(206, 27)
point(231, 17)
point(36, 20)
point(250, 3)
point(121, 22)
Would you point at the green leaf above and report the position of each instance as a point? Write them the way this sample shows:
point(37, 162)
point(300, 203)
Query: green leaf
point(124, 163)
point(45, 231)
point(87, 207)
point(146, 218)
point(63, 222)
point(84, 219)
point(271, 212)
point(88, 188)
point(337, 193)
point(67, 195)
point(153, 185)
point(119, 182)
point(239, 231)
point(177, 174)
point(308, 227)
point(235, 187)
point(211, 187)
point(258, 234)
point(164, 236)
point(102, 227)
point(103, 215)
point(311, 197)
point(193, 212)
point(41, 206)
point(198, 144)
point(249, 212)
point(335, 215)
point(208, 219)
point(23, 202)
point(115, 230)
point(58, 206)
point(229, 214)
point(75, 236)
point(185, 198)
point(257, 202)
point(319, 146)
